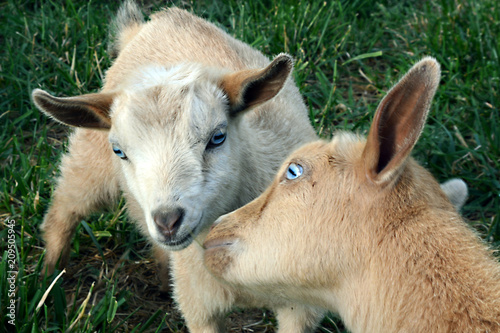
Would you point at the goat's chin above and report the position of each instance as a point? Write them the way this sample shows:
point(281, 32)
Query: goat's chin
point(176, 244)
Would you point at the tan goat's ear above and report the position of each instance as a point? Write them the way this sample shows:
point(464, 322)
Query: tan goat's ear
point(249, 88)
point(90, 111)
point(399, 121)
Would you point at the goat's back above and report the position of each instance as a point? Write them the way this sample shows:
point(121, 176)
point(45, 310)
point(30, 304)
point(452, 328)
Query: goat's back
point(176, 36)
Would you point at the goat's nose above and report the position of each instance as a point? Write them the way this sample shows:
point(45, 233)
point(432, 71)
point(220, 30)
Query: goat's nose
point(168, 221)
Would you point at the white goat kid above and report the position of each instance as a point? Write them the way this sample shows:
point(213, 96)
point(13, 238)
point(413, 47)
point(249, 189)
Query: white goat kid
point(199, 123)
point(359, 228)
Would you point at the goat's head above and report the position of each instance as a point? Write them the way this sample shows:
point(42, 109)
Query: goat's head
point(312, 227)
point(178, 134)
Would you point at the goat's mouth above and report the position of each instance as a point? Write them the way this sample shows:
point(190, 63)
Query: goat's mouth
point(177, 244)
point(217, 255)
point(217, 243)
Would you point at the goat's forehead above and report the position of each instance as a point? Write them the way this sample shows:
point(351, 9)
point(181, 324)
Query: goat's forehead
point(347, 146)
point(311, 150)
point(344, 146)
point(180, 75)
point(185, 102)
point(312, 154)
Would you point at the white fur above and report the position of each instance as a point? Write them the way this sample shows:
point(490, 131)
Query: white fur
point(170, 91)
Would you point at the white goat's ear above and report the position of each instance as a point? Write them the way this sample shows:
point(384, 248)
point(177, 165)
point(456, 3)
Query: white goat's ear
point(90, 111)
point(249, 88)
point(399, 121)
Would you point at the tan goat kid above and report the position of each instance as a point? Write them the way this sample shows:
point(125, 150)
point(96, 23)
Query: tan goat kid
point(359, 228)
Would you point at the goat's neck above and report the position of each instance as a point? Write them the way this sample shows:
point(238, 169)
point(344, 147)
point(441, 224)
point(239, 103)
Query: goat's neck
point(441, 278)
point(356, 300)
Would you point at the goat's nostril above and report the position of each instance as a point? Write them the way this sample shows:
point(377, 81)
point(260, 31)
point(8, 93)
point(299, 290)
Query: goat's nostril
point(168, 221)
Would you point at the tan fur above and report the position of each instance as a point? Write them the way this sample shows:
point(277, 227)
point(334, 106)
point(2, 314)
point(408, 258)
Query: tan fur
point(237, 84)
point(365, 232)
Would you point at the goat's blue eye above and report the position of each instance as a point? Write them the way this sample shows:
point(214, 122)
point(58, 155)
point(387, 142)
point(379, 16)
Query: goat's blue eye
point(217, 138)
point(294, 171)
point(119, 153)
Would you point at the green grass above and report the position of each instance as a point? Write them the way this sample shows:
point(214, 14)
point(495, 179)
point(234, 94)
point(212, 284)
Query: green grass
point(348, 54)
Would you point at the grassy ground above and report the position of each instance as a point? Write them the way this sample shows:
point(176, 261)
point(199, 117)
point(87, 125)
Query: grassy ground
point(348, 54)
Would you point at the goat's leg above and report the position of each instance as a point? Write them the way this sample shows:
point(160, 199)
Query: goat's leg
point(202, 300)
point(87, 182)
point(298, 319)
